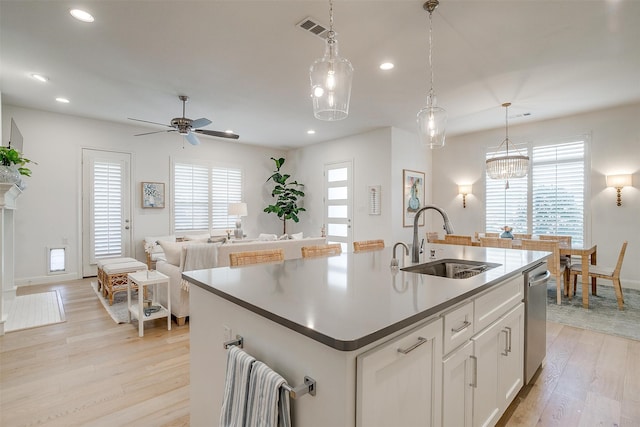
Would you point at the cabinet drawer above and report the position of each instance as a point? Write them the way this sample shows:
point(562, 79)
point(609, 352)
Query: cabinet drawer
point(493, 304)
point(458, 326)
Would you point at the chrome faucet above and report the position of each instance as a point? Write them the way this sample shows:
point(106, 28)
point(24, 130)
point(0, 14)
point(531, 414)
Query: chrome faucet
point(448, 228)
point(394, 260)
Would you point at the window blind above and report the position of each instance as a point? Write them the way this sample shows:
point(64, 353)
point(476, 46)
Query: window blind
point(107, 209)
point(226, 187)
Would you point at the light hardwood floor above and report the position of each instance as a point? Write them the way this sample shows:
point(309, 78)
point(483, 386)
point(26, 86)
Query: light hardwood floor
point(90, 371)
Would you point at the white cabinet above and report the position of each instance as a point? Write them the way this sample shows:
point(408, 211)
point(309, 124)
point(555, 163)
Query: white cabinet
point(498, 353)
point(399, 382)
point(457, 394)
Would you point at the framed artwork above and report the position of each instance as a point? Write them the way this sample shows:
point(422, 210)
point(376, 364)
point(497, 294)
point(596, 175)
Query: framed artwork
point(413, 196)
point(153, 194)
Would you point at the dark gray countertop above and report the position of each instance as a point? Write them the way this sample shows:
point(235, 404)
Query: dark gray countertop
point(351, 300)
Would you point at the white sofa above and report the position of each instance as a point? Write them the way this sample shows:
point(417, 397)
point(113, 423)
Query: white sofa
point(193, 255)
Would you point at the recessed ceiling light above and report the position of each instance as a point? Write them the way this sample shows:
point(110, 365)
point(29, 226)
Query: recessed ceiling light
point(311, 131)
point(228, 131)
point(386, 66)
point(40, 77)
point(62, 100)
point(81, 15)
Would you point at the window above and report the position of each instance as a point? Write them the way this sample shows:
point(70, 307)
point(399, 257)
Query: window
point(549, 200)
point(107, 209)
point(202, 194)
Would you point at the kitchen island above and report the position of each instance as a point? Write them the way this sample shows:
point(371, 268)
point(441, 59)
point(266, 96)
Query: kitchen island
point(326, 318)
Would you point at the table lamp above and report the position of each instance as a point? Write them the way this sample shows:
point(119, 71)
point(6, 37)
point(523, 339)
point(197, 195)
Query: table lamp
point(239, 210)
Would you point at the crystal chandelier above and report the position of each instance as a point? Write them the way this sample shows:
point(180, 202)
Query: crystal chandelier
point(331, 78)
point(431, 118)
point(510, 165)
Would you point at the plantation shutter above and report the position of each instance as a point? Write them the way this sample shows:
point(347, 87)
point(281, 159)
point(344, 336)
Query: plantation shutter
point(558, 190)
point(226, 187)
point(107, 209)
point(191, 197)
point(505, 206)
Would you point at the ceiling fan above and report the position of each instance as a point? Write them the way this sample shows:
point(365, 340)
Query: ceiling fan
point(188, 127)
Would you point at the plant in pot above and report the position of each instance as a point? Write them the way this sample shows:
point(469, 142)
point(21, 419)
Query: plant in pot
point(12, 166)
point(286, 194)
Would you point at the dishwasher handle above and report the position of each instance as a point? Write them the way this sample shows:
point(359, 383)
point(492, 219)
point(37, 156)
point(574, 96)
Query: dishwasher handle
point(541, 278)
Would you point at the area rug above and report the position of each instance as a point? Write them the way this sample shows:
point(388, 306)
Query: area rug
point(117, 311)
point(603, 314)
point(34, 310)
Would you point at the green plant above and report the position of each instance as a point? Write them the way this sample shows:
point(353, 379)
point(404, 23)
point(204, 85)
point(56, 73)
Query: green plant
point(10, 156)
point(286, 194)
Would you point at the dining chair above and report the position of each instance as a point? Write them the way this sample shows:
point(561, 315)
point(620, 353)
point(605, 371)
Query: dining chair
point(565, 241)
point(457, 239)
point(432, 236)
point(237, 259)
point(496, 242)
point(555, 267)
point(321, 250)
point(522, 235)
point(601, 272)
point(368, 245)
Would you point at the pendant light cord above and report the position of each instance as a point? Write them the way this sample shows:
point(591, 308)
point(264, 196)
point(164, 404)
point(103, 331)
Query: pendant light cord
point(331, 32)
point(430, 56)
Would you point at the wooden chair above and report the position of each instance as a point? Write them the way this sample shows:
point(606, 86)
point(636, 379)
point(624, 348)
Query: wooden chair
point(321, 250)
point(237, 259)
point(555, 267)
point(457, 239)
point(432, 236)
point(477, 235)
point(521, 235)
point(496, 242)
point(564, 240)
point(368, 245)
point(608, 273)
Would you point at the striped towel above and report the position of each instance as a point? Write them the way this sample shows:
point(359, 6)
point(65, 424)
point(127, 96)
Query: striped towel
point(268, 401)
point(236, 386)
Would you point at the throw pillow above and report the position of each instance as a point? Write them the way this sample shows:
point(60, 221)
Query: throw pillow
point(172, 251)
point(151, 243)
point(285, 236)
point(217, 239)
point(267, 237)
point(296, 236)
point(202, 238)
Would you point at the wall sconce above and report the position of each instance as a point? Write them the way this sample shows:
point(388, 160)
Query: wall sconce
point(464, 190)
point(619, 181)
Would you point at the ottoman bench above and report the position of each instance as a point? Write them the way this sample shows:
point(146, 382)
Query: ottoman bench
point(115, 279)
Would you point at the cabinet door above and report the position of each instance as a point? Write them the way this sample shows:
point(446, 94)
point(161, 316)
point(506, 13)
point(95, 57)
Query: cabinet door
point(399, 382)
point(486, 351)
point(511, 369)
point(457, 379)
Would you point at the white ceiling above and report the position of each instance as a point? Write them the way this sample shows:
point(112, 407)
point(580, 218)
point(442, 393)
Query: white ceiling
point(245, 64)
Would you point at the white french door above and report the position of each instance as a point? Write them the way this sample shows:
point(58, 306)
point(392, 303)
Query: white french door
point(106, 207)
point(338, 200)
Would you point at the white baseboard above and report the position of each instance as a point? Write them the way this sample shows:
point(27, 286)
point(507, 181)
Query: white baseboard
point(43, 280)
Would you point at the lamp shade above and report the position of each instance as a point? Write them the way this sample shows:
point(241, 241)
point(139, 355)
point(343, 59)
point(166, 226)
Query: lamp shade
point(619, 181)
point(464, 189)
point(238, 209)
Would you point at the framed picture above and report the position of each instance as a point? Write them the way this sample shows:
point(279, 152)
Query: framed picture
point(153, 194)
point(413, 192)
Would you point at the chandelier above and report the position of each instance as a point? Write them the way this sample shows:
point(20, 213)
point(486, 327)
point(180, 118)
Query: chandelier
point(331, 78)
point(502, 166)
point(431, 118)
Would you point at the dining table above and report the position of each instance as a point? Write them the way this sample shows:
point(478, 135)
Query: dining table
point(587, 254)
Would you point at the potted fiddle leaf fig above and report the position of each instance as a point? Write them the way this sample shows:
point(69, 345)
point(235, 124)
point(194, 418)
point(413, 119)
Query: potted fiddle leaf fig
point(13, 165)
point(286, 194)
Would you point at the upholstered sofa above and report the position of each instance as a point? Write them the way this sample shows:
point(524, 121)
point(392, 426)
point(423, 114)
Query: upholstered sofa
point(195, 255)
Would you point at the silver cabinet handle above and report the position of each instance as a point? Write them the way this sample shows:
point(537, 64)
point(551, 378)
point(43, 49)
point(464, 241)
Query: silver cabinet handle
point(464, 326)
point(474, 382)
point(508, 338)
point(506, 345)
point(413, 347)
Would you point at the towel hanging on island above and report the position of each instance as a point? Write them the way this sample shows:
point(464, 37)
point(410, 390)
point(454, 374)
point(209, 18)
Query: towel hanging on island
point(267, 401)
point(236, 387)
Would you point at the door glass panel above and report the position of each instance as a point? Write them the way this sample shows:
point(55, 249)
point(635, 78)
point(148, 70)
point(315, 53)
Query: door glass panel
point(339, 230)
point(337, 193)
point(334, 175)
point(337, 211)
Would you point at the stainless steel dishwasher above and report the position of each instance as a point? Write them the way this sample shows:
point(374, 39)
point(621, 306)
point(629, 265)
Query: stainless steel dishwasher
point(535, 318)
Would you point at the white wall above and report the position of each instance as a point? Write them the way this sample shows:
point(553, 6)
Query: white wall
point(49, 211)
point(615, 148)
point(378, 158)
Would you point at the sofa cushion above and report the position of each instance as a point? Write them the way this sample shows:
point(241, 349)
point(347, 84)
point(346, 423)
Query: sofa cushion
point(151, 243)
point(263, 237)
point(295, 236)
point(202, 238)
point(172, 250)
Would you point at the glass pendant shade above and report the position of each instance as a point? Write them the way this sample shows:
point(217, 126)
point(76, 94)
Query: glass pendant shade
point(432, 121)
point(331, 78)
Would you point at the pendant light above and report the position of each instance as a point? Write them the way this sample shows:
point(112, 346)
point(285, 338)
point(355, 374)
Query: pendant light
point(331, 78)
point(507, 166)
point(432, 119)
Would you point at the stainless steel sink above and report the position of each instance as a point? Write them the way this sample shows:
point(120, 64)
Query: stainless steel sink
point(452, 268)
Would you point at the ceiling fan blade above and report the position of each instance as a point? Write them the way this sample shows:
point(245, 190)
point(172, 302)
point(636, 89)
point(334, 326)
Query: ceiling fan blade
point(198, 123)
point(147, 121)
point(158, 131)
point(217, 133)
point(192, 138)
